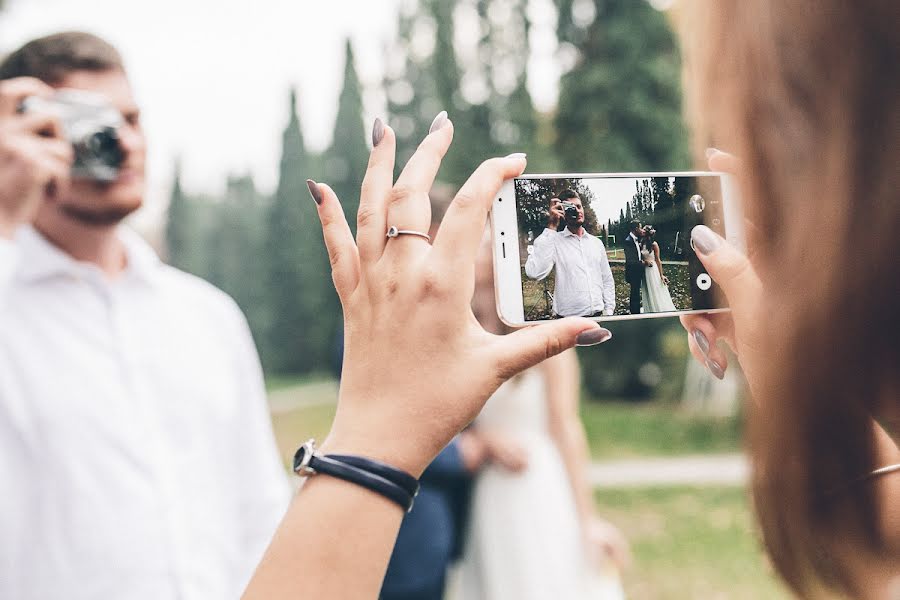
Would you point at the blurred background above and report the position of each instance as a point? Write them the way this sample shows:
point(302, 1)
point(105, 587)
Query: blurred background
point(243, 101)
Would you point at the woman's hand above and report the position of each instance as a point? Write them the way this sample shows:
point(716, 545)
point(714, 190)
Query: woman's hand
point(505, 451)
point(735, 274)
point(605, 543)
point(417, 365)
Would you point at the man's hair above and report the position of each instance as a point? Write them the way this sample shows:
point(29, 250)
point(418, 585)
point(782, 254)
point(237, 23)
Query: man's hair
point(634, 224)
point(53, 57)
point(568, 194)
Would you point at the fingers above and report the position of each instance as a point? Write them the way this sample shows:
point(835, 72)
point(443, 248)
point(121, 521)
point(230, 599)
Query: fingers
point(463, 226)
point(342, 252)
point(13, 91)
point(728, 267)
point(408, 203)
point(371, 223)
point(527, 347)
point(40, 123)
point(722, 161)
point(702, 338)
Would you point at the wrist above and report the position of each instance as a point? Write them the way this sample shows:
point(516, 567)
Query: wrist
point(395, 452)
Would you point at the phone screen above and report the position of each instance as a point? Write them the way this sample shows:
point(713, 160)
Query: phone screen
point(615, 245)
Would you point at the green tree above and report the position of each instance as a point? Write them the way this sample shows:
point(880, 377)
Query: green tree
point(183, 239)
point(301, 332)
point(235, 250)
point(345, 160)
point(620, 106)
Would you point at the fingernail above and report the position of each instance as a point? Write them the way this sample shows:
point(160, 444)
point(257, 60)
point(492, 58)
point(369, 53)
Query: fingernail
point(711, 151)
point(704, 239)
point(377, 132)
point(592, 337)
point(517, 155)
point(702, 342)
point(715, 368)
point(439, 121)
point(314, 191)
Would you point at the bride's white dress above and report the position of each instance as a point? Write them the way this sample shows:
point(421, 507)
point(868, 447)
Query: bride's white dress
point(655, 294)
point(524, 540)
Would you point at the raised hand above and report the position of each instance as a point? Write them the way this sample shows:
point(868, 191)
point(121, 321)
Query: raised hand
point(555, 214)
point(417, 366)
point(34, 159)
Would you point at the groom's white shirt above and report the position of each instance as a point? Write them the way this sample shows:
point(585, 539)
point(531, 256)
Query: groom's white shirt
point(136, 452)
point(584, 281)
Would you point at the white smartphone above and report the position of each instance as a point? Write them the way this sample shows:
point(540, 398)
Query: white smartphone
point(608, 246)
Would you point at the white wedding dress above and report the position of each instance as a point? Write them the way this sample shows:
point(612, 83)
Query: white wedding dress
point(524, 540)
point(655, 294)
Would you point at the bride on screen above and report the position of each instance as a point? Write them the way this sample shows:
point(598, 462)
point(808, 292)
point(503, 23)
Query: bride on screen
point(655, 287)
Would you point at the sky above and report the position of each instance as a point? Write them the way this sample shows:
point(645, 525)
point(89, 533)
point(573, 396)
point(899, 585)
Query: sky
point(611, 195)
point(212, 76)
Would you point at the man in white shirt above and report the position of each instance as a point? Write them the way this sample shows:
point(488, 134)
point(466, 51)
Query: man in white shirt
point(584, 282)
point(136, 452)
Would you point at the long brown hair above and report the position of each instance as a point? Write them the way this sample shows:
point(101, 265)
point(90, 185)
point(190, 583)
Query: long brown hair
point(806, 93)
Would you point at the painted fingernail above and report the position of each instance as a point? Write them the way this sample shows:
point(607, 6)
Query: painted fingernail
point(702, 342)
point(314, 191)
point(517, 155)
point(592, 337)
point(715, 368)
point(704, 239)
point(711, 151)
point(377, 132)
point(439, 121)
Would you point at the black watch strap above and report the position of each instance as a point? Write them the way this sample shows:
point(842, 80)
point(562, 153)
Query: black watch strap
point(406, 481)
point(308, 462)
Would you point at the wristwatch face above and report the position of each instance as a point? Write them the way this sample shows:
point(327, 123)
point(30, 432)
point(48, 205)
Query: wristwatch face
point(302, 457)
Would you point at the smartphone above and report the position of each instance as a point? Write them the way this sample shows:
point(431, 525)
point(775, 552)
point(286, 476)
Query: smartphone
point(608, 246)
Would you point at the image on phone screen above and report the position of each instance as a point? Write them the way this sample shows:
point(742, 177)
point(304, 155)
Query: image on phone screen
point(614, 245)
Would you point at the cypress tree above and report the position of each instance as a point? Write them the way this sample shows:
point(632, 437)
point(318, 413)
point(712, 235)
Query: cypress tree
point(181, 232)
point(620, 106)
point(346, 159)
point(300, 331)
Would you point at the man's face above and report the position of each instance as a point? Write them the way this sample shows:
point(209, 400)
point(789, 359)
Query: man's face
point(638, 231)
point(580, 220)
point(107, 203)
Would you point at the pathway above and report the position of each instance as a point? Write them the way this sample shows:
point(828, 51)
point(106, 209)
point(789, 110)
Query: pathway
point(710, 469)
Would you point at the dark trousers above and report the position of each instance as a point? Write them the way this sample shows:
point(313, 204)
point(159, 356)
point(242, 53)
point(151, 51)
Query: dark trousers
point(634, 299)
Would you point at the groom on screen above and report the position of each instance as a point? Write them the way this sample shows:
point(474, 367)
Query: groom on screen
point(584, 282)
point(634, 266)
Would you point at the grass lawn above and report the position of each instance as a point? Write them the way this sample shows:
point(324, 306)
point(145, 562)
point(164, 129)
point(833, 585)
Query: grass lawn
point(690, 543)
point(625, 430)
point(304, 408)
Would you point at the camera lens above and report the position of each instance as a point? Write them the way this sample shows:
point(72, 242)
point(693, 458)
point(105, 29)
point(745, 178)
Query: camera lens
point(697, 203)
point(104, 144)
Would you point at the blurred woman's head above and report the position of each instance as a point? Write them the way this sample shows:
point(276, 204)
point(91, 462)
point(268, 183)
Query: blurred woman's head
point(806, 95)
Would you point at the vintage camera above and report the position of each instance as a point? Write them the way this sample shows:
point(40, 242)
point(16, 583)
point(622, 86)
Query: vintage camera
point(570, 210)
point(91, 124)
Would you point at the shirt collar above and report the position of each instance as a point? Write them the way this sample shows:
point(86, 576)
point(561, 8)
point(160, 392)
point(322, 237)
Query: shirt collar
point(568, 233)
point(40, 259)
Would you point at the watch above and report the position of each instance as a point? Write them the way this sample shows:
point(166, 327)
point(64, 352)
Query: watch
point(390, 482)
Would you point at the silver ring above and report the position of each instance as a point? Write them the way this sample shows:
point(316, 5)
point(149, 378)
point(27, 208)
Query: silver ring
point(393, 231)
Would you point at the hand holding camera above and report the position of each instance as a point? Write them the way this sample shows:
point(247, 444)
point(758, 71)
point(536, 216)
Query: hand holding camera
point(555, 214)
point(35, 159)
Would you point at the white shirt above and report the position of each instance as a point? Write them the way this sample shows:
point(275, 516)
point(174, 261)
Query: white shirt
point(584, 281)
point(137, 458)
